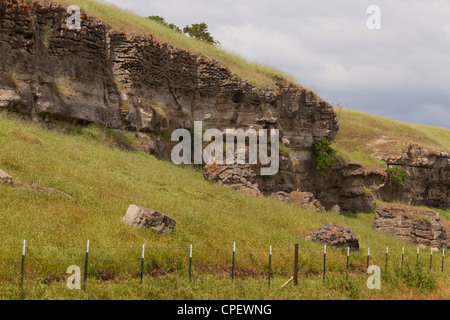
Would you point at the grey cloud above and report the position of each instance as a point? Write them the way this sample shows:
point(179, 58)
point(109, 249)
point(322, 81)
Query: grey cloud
point(326, 45)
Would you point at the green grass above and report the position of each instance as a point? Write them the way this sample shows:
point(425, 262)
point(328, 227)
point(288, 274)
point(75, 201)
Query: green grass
point(125, 21)
point(366, 138)
point(104, 180)
point(408, 285)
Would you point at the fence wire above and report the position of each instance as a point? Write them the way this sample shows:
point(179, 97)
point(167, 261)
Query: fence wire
point(114, 263)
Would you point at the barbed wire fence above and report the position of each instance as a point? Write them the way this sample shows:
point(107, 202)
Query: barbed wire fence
point(111, 263)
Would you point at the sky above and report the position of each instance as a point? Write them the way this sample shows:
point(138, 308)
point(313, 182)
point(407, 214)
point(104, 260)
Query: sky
point(400, 71)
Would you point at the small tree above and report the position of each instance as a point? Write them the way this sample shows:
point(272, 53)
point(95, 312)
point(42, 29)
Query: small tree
point(200, 31)
point(163, 21)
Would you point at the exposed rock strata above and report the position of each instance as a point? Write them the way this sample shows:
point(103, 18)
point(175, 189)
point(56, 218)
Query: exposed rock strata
point(97, 75)
point(427, 180)
point(418, 226)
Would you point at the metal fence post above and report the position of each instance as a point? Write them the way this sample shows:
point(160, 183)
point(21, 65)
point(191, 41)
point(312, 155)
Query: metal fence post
point(403, 258)
point(387, 256)
point(348, 259)
point(234, 261)
point(22, 267)
point(418, 252)
point(270, 263)
point(431, 259)
point(443, 257)
point(190, 262)
point(324, 261)
point(368, 260)
point(142, 263)
point(86, 265)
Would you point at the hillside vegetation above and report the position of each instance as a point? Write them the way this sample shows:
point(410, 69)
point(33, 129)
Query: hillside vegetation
point(104, 180)
point(104, 172)
point(367, 138)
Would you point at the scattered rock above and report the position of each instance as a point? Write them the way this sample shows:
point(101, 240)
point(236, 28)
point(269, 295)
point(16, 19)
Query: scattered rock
point(45, 190)
point(281, 196)
point(249, 191)
point(140, 217)
point(335, 209)
point(6, 178)
point(336, 236)
point(416, 225)
point(306, 200)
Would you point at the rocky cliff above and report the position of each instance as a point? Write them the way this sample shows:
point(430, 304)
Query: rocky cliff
point(134, 82)
point(98, 75)
point(427, 178)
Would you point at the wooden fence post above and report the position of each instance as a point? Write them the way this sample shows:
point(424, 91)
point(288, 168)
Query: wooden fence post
point(296, 265)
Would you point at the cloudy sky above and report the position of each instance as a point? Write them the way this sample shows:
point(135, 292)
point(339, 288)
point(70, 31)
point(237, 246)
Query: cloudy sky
point(401, 71)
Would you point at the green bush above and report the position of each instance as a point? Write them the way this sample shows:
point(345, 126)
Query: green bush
point(398, 176)
point(325, 155)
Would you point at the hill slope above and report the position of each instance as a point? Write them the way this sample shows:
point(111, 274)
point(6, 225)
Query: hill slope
point(104, 181)
point(368, 138)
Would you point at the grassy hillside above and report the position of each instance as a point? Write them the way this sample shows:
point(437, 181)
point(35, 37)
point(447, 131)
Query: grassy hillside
point(104, 181)
point(368, 138)
point(130, 23)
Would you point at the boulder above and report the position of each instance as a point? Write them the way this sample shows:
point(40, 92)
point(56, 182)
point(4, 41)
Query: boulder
point(335, 209)
point(416, 225)
point(140, 217)
point(6, 178)
point(306, 200)
point(336, 236)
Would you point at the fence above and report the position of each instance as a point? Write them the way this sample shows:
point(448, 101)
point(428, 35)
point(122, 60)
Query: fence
point(107, 263)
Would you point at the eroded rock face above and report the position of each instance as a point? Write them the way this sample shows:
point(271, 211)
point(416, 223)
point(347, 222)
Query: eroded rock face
point(344, 187)
point(237, 177)
point(140, 217)
point(336, 236)
point(96, 75)
point(428, 178)
point(135, 82)
point(418, 226)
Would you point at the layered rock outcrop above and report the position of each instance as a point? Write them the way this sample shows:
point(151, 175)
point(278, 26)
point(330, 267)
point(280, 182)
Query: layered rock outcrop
point(418, 226)
point(135, 82)
point(427, 178)
point(343, 187)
